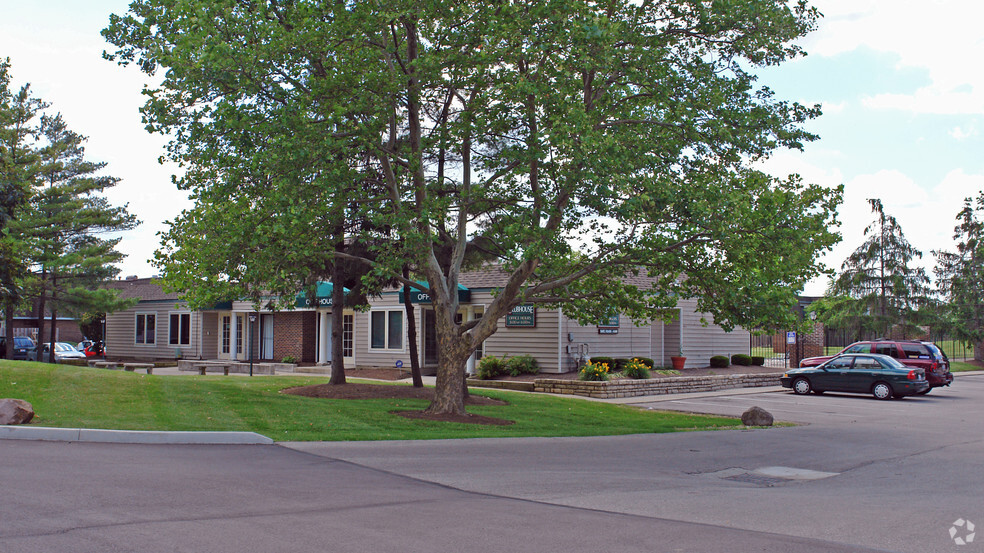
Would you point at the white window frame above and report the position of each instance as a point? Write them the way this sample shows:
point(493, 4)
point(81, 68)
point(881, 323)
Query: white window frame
point(190, 325)
point(386, 330)
point(145, 314)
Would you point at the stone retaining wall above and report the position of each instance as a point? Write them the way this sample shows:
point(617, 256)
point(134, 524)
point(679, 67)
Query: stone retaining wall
point(626, 387)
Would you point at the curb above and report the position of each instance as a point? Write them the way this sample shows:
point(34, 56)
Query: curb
point(130, 436)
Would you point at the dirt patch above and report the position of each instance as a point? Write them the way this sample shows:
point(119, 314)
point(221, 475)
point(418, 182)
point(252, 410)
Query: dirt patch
point(466, 419)
point(378, 391)
point(378, 374)
point(387, 391)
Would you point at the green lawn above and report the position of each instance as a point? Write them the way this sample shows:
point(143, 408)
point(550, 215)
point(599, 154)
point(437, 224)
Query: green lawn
point(959, 366)
point(73, 397)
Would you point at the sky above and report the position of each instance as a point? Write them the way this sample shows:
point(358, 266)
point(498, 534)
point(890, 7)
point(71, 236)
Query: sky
point(898, 81)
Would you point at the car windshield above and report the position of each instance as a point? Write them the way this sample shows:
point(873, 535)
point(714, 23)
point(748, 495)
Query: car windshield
point(935, 351)
point(62, 346)
point(891, 362)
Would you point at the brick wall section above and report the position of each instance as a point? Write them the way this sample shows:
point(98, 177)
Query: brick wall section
point(294, 334)
point(654, 386)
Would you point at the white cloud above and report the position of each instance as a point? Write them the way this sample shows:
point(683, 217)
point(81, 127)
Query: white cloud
point(963, 133)
point(941, 36)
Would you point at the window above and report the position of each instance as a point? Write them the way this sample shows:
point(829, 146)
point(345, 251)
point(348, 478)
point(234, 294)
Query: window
point(859, 348)
point(915, 351)
point(179, 331)
point(348, 335)
point(146, 329)
point(887, 349)
point(386, 330)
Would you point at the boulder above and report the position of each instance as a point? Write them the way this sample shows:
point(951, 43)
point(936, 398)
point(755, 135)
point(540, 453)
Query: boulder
point(15, 411)
point(756, 416)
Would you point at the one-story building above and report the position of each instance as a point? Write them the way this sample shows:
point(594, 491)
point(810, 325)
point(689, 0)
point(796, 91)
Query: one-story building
point(161, 327)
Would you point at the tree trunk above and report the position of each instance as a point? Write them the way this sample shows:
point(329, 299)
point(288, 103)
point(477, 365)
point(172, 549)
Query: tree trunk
point(41, 303)
point(452, 356)
point(51, 340)
point(337, 320)
point(418, 381)
point(8, 318)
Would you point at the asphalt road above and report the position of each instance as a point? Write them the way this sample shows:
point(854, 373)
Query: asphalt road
point(861, 474)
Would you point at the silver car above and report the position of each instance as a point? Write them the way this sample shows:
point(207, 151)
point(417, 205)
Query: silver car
point(63, 352)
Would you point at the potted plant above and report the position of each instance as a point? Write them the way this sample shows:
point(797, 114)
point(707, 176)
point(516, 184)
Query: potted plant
point(678, 360)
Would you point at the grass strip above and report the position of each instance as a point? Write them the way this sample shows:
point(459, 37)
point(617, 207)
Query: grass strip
point(72, 397)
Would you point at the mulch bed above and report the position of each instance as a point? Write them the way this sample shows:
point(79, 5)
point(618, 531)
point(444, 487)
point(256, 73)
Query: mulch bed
point(704, 371)
point(387, 391)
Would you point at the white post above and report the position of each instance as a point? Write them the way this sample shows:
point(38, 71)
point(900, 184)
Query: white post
point(234, 336)
point(470, 365)
point(323, 338)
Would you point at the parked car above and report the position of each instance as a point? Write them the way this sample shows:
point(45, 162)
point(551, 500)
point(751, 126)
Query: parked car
point(880, 375)
point(63, 351)
point(22, 347)
point(91, 349)
point(912, 353)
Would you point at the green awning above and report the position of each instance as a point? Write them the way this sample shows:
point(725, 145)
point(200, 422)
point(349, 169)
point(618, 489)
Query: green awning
point(418, 296)
point(322, 296)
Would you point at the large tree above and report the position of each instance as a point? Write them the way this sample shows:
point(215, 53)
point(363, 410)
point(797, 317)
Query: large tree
point(880, 277)
point(72, 229)
point(575, 142)
point(18, 175)
point(960, 275)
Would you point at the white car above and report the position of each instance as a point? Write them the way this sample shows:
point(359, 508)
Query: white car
point(63, 351)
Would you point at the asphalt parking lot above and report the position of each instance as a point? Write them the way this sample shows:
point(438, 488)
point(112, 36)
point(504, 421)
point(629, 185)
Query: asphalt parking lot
point(856, 474)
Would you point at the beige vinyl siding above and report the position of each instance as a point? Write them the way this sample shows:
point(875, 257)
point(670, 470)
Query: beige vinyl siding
point(210, 335)
point(702, 342)
point(541, 342)
point(365, 356)
point(630, 341)
point(121, 332)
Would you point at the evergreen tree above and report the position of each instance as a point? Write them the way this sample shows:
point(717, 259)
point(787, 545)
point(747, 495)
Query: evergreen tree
point(18, 174)
point(960, 275)
point(72, 230)
point(879, 275)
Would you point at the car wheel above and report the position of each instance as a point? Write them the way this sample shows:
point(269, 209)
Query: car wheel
point(882, 390)
point(802, 386)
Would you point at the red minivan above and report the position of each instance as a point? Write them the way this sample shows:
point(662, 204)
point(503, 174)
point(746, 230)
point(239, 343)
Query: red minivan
point(912, 353)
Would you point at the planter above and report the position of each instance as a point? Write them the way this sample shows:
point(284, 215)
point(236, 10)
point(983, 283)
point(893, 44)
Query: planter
point(678, 362)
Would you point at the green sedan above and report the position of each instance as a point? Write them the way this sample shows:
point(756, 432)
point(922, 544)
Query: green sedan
point(879, 375)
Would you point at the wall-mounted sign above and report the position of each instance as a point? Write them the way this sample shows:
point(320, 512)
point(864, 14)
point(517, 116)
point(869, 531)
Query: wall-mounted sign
point(608, 325)
point(791, 337)
point(522, 316)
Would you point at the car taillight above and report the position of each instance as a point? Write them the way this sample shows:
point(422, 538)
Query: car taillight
point(933, 366)
point(913, 375)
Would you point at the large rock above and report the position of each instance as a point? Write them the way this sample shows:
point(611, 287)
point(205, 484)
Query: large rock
point(756, 416)
point(15, 411)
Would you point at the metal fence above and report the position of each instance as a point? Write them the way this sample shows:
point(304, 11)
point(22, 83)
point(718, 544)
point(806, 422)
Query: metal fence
point(779, 353)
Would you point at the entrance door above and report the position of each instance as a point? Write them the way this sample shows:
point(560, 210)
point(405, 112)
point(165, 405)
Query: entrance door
point(266, 336)
point(225, 336)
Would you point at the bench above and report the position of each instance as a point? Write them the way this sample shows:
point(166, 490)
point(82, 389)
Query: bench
point(130, 367)
point(203, 367)
point(111, 365)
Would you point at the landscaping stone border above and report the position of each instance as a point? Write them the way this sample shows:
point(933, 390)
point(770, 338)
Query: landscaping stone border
point(626, 387)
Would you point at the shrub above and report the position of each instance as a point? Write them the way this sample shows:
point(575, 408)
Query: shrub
point(758, 361)
point(635, 368)
point(491, 367)
point(289, 359)
point(741, 359)
point(606, 360)
point(594, 371)
point(521, 364)
point(720, 361)
point(645, 361)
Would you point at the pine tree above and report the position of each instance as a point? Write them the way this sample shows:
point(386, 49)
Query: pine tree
point(960, 275)
point(879, 274)
point(72, 230)
point(18, 173)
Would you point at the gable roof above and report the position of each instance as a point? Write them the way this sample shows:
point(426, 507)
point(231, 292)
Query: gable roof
point(142, 289)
